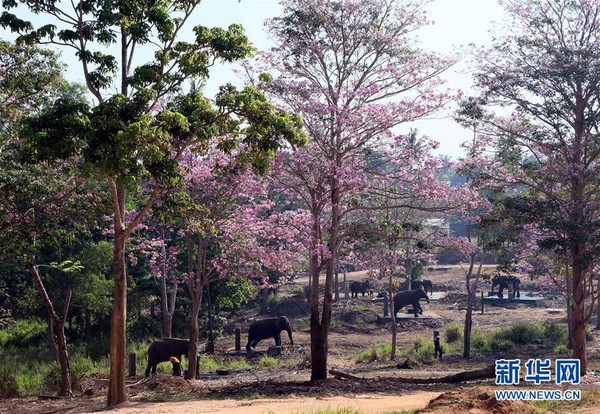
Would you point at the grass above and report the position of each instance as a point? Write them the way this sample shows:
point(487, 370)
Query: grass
point(588, 399)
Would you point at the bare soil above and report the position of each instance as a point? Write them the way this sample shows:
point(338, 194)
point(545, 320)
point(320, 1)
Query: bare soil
point(287, 389)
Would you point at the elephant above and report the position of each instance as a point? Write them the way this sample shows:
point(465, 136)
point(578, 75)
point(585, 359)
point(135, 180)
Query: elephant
point(410, 297)
point(163, 349)
point(356, 287)
point(504, 281)
point(426, 283)
point(268, 328)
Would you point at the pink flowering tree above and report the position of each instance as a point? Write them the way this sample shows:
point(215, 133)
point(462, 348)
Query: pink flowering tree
point(543, 72)
point(353, 71)
point(229, 228)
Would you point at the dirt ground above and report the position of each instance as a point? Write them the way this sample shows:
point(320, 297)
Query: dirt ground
point(286, 389)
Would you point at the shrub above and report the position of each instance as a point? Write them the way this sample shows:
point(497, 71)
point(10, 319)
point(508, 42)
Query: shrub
point(498, 344)
point(525, 332)
point(561, 349)
point(555, 333)
point(9, 388)
point(425, 354)
point(25, 333)
point(480, 341)
point(380, 352)
point(454, 332)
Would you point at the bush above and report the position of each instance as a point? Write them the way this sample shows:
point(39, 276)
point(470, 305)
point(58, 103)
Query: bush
point(555, 333)
point(525, 332)
point(561, 349)
point(426, 354)
point(454, 332)
point(380, 352)
point(480, 342)
point(9, 388)
point(499, 344)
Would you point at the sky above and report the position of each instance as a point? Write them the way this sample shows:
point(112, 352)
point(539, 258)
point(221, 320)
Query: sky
point(457, 22)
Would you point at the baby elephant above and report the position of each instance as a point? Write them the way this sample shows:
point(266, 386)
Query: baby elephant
point(426, 283)
point(268, 328)
point(359, 287)
point(163, 349)
point(410, 297)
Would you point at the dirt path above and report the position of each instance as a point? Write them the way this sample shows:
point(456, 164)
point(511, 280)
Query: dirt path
point(365, 404)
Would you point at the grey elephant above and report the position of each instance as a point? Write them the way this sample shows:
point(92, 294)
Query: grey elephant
point(268, 328)
point(410, 297)
point(504, 281)
point(426, 283)
point(359, 287)
point(163, 349)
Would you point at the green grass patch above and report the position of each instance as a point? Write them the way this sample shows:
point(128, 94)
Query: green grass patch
point(380, 353)
point(266, 361)
point(588, 399)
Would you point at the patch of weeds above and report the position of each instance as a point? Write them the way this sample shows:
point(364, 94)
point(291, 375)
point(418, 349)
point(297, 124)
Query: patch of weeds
point(561, 349)
point(454, 332)
point(266, 361)
point(209, 364)
point(480, 342)
point(379, 352)
point(588, 399)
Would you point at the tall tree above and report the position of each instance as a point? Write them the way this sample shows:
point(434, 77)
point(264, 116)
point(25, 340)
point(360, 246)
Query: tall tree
point(131, 137)
point(352, 69)
point(545, 68)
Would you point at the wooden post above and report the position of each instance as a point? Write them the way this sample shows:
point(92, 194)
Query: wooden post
point(132, 364)
point(482, 302)
point(346, 294)
point(238, 339)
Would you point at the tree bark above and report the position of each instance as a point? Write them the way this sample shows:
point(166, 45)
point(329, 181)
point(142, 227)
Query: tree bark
point(579, 342)
point(116, 383)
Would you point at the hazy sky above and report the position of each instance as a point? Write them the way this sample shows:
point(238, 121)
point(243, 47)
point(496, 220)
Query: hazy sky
point(457, 22)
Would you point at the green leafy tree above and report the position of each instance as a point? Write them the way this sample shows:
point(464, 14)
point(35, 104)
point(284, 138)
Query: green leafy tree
point(137, 135)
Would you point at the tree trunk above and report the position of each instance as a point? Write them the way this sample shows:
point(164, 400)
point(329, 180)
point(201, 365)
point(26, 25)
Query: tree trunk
point(337, 285)
point(598, 304)
point(579, 342)
point(264, 293)
point(116, 383)
point(59, 332)
point(167, 307)
point(50, 336)
point(393, 316)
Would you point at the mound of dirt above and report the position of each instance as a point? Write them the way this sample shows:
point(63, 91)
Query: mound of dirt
point(167, 384)
point(479, 400)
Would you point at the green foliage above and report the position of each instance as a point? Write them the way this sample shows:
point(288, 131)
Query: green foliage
point(424, 351)
point(499, 344)
point(555, 333)
point(80, 368)
point(561, 349)
point(480, 342)
point(25, 333)
point(232, 293)
point(454, 332)
point(524, 333)
point(379, 353)
point(9, 388)
point(266, 361)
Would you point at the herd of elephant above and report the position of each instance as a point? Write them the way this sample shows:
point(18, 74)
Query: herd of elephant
point(163, 349)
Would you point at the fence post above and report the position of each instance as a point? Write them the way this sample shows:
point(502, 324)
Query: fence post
point(132, 364)
point(238, 339)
